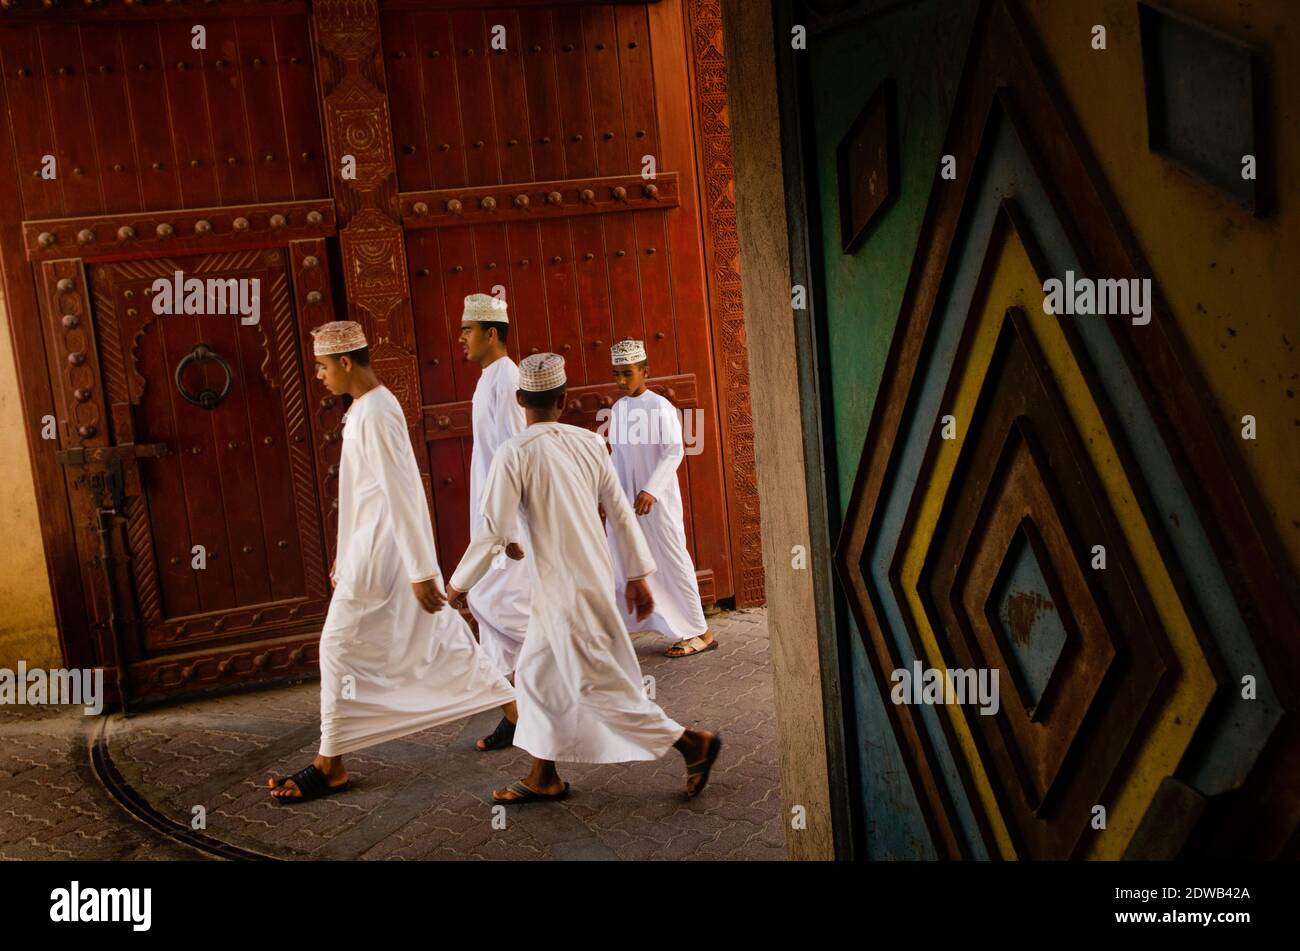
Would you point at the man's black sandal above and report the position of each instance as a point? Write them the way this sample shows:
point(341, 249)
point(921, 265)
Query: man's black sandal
point(704, 766)
point(311, 782)
point(500, 738)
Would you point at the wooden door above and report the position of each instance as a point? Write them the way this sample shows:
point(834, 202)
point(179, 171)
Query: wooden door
point(225, 539)
point(225, 159)
point(167, 157)
point(531, 161)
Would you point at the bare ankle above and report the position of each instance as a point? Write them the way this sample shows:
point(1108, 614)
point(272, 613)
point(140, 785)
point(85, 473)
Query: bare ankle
point(331, 766)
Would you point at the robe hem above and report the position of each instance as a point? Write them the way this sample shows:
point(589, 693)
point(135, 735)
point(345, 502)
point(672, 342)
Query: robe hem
point(343, 748)
point(569, 756)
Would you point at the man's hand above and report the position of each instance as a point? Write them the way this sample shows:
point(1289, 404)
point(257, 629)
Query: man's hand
point(515, 551)
point(640, 598)
point(644, 502)
point(429, 595)
point(333, 583)
point(457, 598)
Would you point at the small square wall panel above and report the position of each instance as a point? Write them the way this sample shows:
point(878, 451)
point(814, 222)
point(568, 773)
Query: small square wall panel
point(1204, 98)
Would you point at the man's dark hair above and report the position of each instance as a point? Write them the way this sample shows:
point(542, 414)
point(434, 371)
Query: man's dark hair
point(503, 330)
point(543, 399)
point(360, 357)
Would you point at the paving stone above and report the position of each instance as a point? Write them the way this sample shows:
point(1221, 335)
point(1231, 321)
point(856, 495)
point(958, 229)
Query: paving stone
point(424, 797)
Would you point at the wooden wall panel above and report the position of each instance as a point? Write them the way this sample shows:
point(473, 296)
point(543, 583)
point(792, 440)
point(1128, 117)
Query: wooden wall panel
point(525, 285)
point(113, 137)
point(349, 58)
point(558, 269)
point(300, 107)
point(446, 149)
point(32, 136)
point(572, 116)
point(639, 129)
point(266, 124)
point(722, 254)
point(621, 262)
point(403, 66)
point(181, 74)
point(150, 117)
point(314, 305)
point(65, 84)
point(223, 86)
point(697, 320)
point(138, 118)
point(80, 405)
point(604, 84)
point(545, 98)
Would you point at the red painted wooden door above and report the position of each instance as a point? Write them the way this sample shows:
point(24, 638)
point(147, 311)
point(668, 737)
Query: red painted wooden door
point(225, 537)
point(530, 156)
point(166, 157)
point(545, 149)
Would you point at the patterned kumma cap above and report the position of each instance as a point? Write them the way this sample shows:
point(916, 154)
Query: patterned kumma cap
point(540, 372)
point(485, 309)
point(337, 336)
point(627, 351)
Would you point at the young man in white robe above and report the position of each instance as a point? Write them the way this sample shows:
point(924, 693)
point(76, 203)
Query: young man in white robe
point(499, 602)
point(578, 683)
point(394, 659)
point(645, 438)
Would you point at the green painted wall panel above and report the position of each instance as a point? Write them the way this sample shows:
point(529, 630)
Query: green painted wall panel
point(922, 46)
point(864, 290)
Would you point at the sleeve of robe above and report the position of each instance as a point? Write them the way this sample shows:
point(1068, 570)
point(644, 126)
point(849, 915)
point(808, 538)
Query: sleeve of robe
point(508, 416)
point(669, 450)
point(500, 507)
point(621, 519)
point(387, 447)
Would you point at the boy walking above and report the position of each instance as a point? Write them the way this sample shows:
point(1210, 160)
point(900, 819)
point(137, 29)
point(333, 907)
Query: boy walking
point(645, 435)
point(578, 684)
point(393, 659)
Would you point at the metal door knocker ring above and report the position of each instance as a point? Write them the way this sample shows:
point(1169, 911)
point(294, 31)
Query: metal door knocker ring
point(207, 399)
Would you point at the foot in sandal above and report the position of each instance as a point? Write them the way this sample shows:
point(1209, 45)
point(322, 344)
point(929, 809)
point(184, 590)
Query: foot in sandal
point(691, 646)
point(700, 749)
point(519, 791)
point(542, 782)
point(500, 738)
point(323, 777)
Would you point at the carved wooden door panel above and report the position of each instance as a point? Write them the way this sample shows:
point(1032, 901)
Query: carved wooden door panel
point(163, 154)
point(521, 135)
point(225, 538)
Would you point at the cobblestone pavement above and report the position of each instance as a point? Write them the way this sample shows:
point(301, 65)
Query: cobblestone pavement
point(426, 796)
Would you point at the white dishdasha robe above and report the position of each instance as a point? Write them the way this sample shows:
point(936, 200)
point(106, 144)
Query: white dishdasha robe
point(645, 434)
point(578, 683)
point(499, 601)
point(388, 667)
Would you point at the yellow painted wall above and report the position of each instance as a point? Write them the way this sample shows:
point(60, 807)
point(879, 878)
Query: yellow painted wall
point(1232, 281)
point(27, 630)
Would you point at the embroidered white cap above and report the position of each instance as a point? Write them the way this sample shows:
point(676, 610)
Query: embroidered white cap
point(627, 351)
point(539, 372)
point(337, 336)
point(486, 309)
